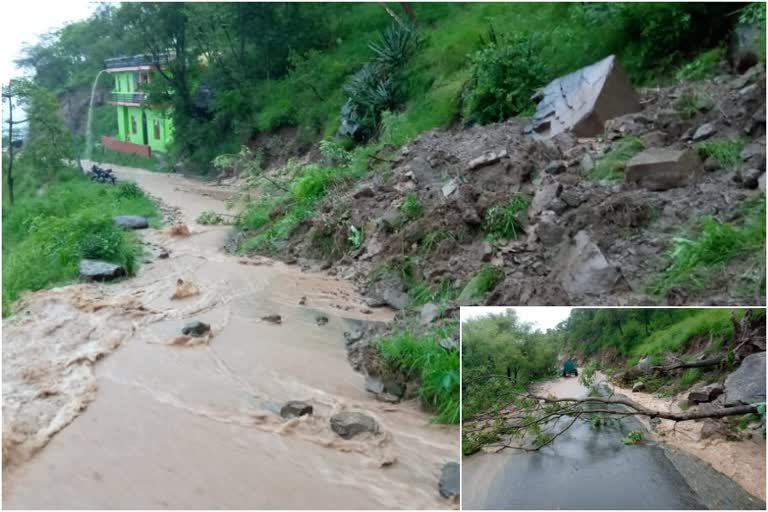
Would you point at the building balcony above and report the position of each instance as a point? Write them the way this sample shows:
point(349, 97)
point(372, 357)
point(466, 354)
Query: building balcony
point(137, 62)
point(132, 98)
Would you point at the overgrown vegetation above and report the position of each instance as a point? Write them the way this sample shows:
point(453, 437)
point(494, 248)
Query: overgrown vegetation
point(285, 64)
point(712, 246)
point(437, 368)
point(503, 220)
point(724, 151)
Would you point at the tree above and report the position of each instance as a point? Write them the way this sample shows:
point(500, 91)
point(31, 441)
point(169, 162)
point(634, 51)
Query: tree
point(9, 96)
point(48, 143)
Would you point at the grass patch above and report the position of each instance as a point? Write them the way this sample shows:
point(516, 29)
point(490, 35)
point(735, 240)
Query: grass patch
point(502, 220)
point(437, 368)
point(485, 280)
point(725, 151)
point(411, 207)
point(48, 231)
point(712, 247)
point(611, 166)
point(689, 376)
point(709, 322)
point(704, 65)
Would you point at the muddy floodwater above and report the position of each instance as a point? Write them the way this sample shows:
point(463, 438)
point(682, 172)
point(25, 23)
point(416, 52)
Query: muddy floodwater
point(588, 468)
point(105, 406)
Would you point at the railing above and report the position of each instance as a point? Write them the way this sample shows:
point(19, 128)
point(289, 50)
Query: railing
point(137, 61)
point(129, 97)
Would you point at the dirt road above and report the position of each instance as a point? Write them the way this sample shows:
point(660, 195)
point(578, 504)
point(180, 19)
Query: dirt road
point(158, 423)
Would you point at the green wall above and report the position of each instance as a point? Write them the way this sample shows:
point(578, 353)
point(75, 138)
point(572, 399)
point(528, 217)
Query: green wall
point(125, 83)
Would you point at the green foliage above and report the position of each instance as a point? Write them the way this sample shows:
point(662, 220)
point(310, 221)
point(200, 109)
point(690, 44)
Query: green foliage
point(437, 368)
point(754, 13)
point(411, 207)
point(45, 235)
point(505, 74)
point(500, 355)
point(692, 102)
point(712, 246)
point(725, 150)
point(633, 437)
point(690, 376)
point(472, 442)
point(355, 237)
point(482, 282)
point(704, 65)
point(48, 142)
point(396, 46)
point(611, 165)
point(129, 190)
point(502, 220)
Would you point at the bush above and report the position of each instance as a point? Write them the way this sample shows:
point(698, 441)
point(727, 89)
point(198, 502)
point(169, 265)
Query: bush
point(705, 65)
point(505, 74)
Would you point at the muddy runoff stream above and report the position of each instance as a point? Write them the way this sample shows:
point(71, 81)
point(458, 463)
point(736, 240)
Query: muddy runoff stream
point(589, 468)
point(170, 422)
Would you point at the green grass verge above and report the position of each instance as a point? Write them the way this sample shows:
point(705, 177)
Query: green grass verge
point(437, 368)
point(47, 232)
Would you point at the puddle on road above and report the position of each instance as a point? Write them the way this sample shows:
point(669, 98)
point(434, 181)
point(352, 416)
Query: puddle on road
point(195, 427)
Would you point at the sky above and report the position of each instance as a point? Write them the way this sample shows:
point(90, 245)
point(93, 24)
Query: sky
point(24, 21)
point(542, 318)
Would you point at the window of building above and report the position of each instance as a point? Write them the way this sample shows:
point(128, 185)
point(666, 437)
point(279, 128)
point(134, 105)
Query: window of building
point(156, 126)
point(133, 125)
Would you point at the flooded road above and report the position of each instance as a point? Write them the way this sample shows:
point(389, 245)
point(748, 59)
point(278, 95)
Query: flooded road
point(162, 424)
point(591, 468)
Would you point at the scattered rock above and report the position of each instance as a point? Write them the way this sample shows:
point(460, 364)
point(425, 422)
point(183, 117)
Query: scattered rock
point(130, 221)
point(97, 270)
point(543, 197)
point(711, 164)
point(164, 255)
point(654, 139)
point(450, 187)
point(429, 313)
point(295, 409)
point(549, 232)
point(449, 343)
point(706, 394)
point(555, 167)
point(638, 386)
point(321, 320)
point(486, 251)
point(364, 191)
point(303, 300)
point(388, 291)
point(374, 385)
point(353, 336)
point(486, 159)
point(450, 483)
point(747, 384)
point(603, 91)
point(751, 178)
point(195, 328)
point(184, 289)
point(704, 131)
point(587, 163)
point(584, 269)
point(275, 319)
point(351, 424)
point(662, 168)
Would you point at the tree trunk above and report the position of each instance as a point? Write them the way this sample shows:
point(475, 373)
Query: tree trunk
point(9, 176)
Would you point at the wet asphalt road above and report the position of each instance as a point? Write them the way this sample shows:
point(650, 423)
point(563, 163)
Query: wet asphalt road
point(588, 468)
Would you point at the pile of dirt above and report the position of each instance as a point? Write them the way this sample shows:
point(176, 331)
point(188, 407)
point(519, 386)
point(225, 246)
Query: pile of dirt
point(584, 240)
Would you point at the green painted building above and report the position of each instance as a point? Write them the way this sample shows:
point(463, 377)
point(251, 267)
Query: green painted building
point(142, 128)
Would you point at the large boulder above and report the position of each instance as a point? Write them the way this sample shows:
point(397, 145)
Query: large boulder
point(351, 424)
point(747, 384)
point(295, 409)
point(663, 168)
point(97, 270)
point(450, 481)
point(388, 291)
point(584, 100)
point(130, 221)
point(584, 269)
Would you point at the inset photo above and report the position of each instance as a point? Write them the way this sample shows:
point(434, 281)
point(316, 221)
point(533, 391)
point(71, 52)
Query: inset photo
point(613, 408)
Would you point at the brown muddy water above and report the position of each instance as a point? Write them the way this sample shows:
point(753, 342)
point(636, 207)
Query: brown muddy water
point(104, 406)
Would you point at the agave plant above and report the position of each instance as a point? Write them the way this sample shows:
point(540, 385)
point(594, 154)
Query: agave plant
point(396, 45)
